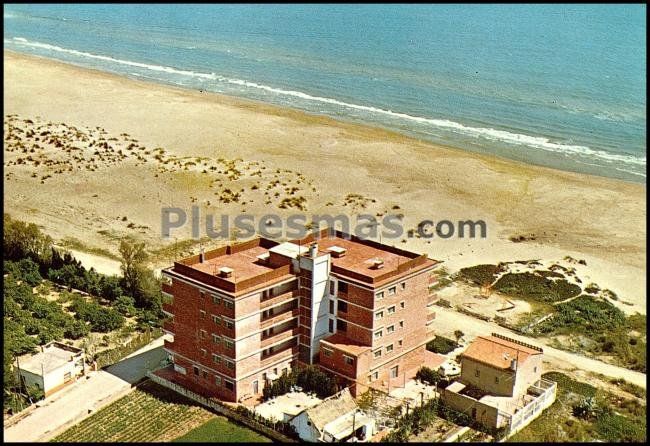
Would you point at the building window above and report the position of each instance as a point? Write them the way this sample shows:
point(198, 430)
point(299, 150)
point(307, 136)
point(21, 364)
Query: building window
point(205, 374)
point(202, 314)
point(343, 287)
point(403, 285)
point(496, 380)
point(332, 287)
point(332, 307)
point(228, 344)
point(228, 324)
point(341, 325)
point(201, 294)
point(535, 369)
point(349, 360)
point(215, 339)
point(327, 352)
point(216, 319)
point(230, 365)
point(394, 371)
point(380, 295)
point(331, 325)
point(402, 305)
point(375, 376)
point(343, 306)
point(477, 373)
point(67, 376)
point(217, 380)
point(378, 334)
point(390, 329)
point(228, 304)
point(391, 290)
point(401, 324)
point(377, 353)
point(229, 385)
point(399, 343)
point(203, 334)
point(379, 315)
point(203, 352)
point(216, 359)
point(216, 300)
point(196, 370)
point(389, 348)
point(391, 310)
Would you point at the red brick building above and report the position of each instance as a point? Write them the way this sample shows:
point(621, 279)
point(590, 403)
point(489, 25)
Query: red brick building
point(243, 314)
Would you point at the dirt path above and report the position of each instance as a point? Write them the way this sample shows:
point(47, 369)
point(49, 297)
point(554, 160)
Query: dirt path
point(101, 264)
point(449, 320)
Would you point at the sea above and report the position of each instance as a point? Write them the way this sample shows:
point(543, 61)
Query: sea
point(561, 86)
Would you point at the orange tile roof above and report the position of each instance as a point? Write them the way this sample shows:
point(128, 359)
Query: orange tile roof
point(498, 352)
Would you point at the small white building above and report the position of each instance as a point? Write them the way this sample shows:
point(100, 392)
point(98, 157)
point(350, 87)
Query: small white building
point(336, 419)
point(55, 366)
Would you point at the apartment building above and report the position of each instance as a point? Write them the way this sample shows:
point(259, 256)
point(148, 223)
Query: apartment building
point(243, 314)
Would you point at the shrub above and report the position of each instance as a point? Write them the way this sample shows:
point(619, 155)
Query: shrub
point(537, 287)
point(442, 345)
point(427, 375)
point(480, 274)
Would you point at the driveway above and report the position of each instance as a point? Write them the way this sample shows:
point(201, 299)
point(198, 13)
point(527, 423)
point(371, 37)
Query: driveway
point(70, 405)
point(448, 320)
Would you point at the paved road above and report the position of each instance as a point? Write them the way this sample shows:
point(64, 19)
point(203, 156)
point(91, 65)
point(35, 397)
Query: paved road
point(448, 320)
point(70, 405)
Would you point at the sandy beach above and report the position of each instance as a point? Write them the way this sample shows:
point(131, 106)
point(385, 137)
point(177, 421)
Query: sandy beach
point(229, 156)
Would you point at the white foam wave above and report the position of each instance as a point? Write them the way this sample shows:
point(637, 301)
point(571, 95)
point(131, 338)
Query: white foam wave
point(538, 142)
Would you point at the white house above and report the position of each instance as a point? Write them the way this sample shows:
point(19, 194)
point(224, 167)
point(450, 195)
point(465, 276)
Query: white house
point(336, 419)
point(55, 366)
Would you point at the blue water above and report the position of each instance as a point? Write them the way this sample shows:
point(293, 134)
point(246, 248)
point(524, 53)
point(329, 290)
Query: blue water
point(556, 85)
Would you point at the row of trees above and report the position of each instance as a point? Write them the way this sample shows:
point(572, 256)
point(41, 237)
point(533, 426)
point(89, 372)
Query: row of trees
point(309, 378)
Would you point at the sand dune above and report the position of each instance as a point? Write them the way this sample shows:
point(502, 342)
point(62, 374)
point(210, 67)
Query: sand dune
point(155, 146)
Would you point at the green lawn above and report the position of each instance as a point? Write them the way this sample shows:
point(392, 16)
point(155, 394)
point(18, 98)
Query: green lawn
point(222, 430)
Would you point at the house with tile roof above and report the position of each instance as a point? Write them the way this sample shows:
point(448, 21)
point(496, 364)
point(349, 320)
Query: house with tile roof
point(336, 419)
point(500, 384)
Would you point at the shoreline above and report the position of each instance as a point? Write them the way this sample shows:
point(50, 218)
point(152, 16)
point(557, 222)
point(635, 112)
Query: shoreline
point(308, 117)
point(599, 219)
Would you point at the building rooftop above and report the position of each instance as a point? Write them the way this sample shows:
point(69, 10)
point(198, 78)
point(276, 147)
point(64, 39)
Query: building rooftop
point(499, 351)
point(340, 342)
point(51, 357)
point(287, 406)
point(244, 264)
point(331, 408)
point(262, 262)
point(366, 260)
point(239, 267)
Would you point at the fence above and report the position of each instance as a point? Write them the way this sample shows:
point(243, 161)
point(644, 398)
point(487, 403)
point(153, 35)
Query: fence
point(546, 395)
point(221, 409)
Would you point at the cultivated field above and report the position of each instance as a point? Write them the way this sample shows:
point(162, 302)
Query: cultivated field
point(152, 413)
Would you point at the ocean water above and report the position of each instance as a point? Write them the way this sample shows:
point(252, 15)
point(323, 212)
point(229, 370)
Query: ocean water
point(562, 86)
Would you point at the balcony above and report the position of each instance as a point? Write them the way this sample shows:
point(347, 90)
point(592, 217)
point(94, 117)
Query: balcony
point(167, 288)
point(282, 298)
point(282, 336)
point(168, 345)
point(283, 317)
point(168, 327)
point(432, 299)
point(168, 308)
point(279, 355)
point(431, 316)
